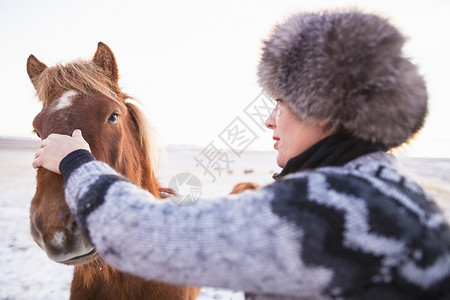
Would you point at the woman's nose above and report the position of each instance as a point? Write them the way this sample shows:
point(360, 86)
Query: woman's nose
point(270, 122)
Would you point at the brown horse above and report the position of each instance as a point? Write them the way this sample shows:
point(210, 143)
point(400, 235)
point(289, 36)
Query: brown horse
point(243, 186)
point(85, 95)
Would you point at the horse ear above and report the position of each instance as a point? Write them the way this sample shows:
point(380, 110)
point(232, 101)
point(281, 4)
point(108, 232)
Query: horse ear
point(104, 58)
point(34, 69)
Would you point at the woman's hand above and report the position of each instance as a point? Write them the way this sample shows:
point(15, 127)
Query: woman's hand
point(55, 147)
point(167, 192)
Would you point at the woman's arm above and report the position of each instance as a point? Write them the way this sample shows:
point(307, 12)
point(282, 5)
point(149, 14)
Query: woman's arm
point(236, 242)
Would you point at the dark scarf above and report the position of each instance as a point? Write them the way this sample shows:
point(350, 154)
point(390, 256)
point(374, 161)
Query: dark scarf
point(334, 150)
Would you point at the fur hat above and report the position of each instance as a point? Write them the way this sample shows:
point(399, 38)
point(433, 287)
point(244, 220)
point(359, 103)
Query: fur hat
point(346, 68)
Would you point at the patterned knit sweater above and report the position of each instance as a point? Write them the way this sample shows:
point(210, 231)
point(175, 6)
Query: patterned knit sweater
point(360, 231)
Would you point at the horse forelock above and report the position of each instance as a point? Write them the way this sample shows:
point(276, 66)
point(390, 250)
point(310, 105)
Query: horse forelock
point(81, 76)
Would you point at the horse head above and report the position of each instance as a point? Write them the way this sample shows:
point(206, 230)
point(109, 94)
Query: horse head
point(84, 95)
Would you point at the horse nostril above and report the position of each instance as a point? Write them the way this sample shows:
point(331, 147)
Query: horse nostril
point(73, 225)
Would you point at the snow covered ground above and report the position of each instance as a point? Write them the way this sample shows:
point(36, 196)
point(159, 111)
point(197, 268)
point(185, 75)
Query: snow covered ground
point(26, 272)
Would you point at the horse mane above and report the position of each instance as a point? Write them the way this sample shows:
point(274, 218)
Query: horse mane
point(82, 76)
point(147, 139)
point(96, 269)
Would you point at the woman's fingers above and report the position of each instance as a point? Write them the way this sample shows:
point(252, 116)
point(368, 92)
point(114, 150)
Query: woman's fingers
point(164, 195)
point(37, 153)
point(166, 192)
point(37, 161)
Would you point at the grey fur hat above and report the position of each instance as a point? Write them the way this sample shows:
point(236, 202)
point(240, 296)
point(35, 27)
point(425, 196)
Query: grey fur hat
point(346, 68)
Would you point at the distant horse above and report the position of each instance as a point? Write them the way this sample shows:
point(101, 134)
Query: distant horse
point(85, 95)
point(243, 186)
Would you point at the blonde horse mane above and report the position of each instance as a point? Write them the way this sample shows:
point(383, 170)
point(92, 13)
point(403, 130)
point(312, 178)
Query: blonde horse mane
point(147, 134)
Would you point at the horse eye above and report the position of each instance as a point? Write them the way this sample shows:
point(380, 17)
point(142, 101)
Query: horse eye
point(37, 133)
point(113, 118)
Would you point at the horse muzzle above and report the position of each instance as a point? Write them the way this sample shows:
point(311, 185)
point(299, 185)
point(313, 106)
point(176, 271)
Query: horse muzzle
point(81, 259)
point(73, 249)
point(63, 243)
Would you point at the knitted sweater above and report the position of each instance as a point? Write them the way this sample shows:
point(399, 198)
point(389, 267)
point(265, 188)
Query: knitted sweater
point(360, 231)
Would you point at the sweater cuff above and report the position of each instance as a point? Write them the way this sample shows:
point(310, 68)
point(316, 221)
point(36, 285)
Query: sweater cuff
point(74, 160)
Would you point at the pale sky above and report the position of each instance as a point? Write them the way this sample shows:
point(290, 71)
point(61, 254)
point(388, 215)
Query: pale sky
point(193, 63)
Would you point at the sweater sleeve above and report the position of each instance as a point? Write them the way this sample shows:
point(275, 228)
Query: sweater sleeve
point(363, 233)
point(235, 242)
point(73, 161)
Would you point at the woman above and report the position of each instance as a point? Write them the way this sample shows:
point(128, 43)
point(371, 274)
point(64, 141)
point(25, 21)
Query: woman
point(338, 222)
